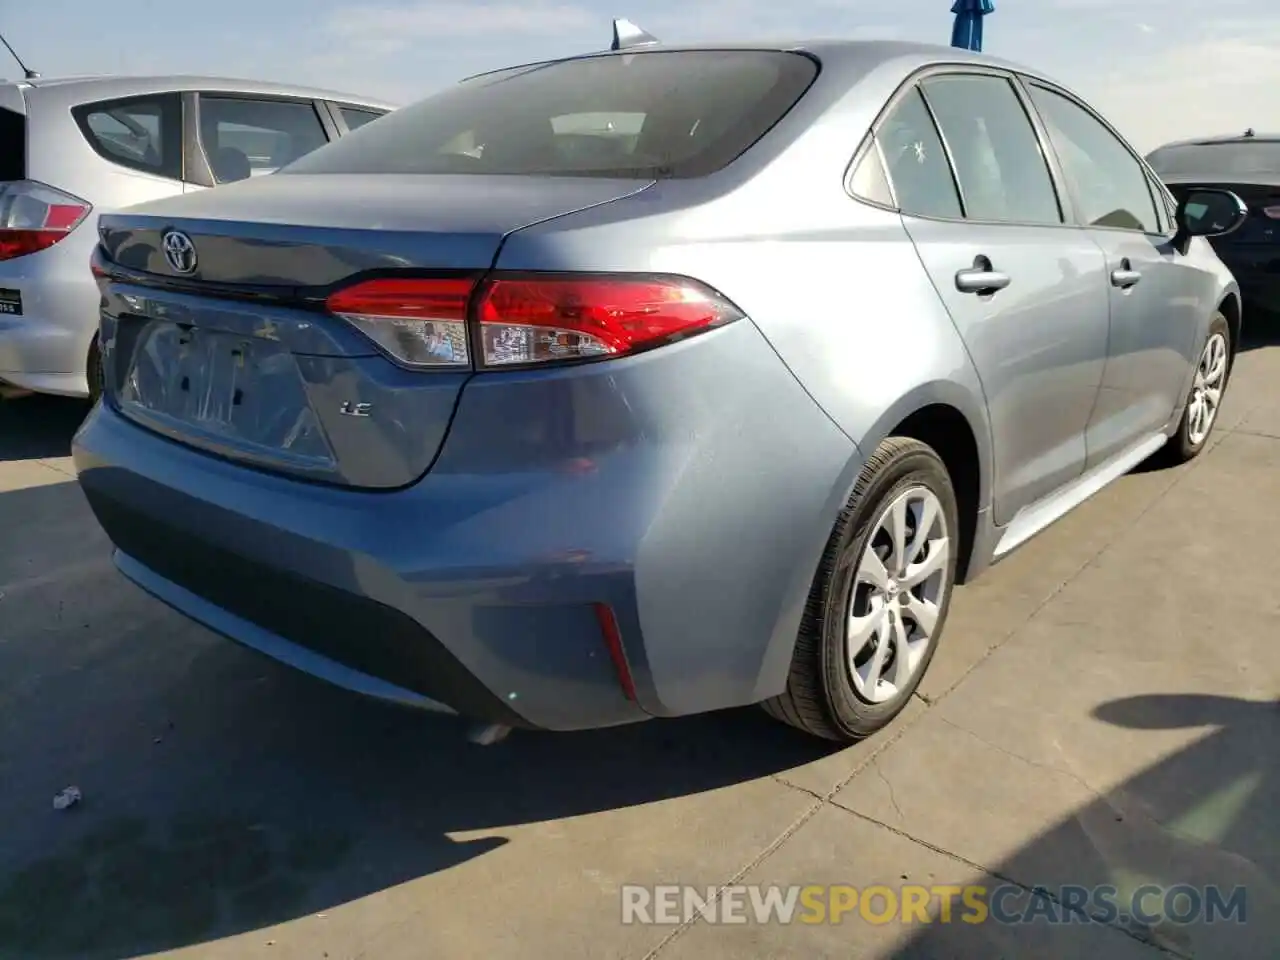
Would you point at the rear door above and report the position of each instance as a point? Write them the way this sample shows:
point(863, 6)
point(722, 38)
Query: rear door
point(1153, 299)
point(979, 199)
point(235, 136)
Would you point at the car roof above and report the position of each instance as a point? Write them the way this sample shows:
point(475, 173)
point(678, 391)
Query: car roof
point(856, 55)
point(1251, 137)
point(107, 87)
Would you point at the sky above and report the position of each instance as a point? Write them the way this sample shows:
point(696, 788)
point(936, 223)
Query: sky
point(1158, 69)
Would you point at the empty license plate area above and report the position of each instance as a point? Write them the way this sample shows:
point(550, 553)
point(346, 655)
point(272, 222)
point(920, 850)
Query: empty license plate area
point(241, 396)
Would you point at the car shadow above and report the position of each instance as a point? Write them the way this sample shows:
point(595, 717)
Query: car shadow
point(37, 427)
point(223, 793)
point(1259, 329)
point(1204, 817)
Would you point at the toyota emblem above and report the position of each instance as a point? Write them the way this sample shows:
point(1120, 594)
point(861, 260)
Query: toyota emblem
point(179, 251)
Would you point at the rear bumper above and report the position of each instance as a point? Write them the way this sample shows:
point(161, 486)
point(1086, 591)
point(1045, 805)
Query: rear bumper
point(1257, 271)
point(690, 491)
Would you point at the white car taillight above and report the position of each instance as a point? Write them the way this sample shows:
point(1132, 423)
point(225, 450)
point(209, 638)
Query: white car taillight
point(34, 217)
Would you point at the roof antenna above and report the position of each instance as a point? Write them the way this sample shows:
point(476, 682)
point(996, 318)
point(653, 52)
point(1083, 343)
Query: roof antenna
point(28, 73)
point(626, 35)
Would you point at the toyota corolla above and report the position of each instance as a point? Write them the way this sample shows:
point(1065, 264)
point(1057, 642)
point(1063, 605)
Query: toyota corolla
point(649, 382)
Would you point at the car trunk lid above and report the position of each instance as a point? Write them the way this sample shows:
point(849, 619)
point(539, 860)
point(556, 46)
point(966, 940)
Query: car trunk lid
point(218, 339)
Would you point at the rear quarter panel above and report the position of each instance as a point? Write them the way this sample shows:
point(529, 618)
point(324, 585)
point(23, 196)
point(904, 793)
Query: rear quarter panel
point(59, 155)
point(1211, 284)
point(836, 289)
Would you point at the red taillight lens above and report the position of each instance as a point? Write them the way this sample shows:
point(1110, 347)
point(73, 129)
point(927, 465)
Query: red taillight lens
point(528, 319)
point(34, 217)
point(535, 320)
point(420, 322)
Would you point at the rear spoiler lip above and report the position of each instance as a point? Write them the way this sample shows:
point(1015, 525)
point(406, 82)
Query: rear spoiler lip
point(12, 96)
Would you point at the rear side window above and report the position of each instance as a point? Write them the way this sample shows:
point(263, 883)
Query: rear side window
point(13, 146)
point(662, 114)
point(142, 133)
point(1214, 161)
point(917, 164)
point(355, 119)
point(245, 137)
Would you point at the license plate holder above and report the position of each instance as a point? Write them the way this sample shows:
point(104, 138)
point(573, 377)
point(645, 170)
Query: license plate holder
point(237, 395)
point(214, 370)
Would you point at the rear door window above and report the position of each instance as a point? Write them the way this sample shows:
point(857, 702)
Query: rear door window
point(650, 114)
point(248, 137)
point(998, 160)
point(355, 118)
point(141, 133)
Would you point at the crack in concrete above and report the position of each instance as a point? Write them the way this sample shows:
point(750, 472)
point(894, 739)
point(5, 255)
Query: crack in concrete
point(893, 797)
point(1262, 434)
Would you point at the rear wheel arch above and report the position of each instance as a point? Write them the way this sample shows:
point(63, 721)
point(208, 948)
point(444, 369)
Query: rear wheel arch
point(949, 433)
point(1230, 308)
point(94, 370)
point(954, 424)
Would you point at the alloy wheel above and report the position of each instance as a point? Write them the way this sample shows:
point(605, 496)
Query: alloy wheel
point(1206, 389)
point(897, 594)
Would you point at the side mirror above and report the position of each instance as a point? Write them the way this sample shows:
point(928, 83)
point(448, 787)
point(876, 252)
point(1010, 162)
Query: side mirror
point(1205, 212)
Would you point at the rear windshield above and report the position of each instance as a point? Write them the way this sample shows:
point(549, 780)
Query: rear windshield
point(1217, 159)
point(657, 114)
point(13, 145)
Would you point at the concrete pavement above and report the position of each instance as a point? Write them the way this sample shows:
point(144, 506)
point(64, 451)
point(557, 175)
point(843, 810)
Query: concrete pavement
point(1102, 711)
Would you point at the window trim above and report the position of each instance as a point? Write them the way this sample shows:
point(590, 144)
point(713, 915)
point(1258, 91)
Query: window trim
point(949, 68)
point(202, 171)
point(872, 145)
point(947, 153)
point(1148, 173)
point(171, 140)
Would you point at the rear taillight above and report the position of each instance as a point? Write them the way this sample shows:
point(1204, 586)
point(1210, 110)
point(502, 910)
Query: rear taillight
point(534, 319)
point(528, 319)
point(1272, 212)
point(420, 322)
point(34, 217)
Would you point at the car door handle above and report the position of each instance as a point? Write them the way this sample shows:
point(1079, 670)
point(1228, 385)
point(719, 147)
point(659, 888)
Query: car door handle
point(1125, 277)
point(981, 281)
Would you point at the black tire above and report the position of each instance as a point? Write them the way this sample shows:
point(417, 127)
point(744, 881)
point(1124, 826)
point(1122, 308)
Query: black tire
point(93, 372)
point(1180, 447)
point(820, 697)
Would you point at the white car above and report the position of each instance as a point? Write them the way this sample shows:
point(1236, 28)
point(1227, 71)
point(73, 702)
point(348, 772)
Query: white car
point(72, 148)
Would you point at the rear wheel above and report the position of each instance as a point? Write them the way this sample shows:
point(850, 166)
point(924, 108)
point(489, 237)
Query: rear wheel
point(880, 598)
point(1208, 388)
point(93, 372)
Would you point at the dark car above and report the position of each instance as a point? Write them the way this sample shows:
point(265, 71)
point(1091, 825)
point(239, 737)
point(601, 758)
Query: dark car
point(1249, 165)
